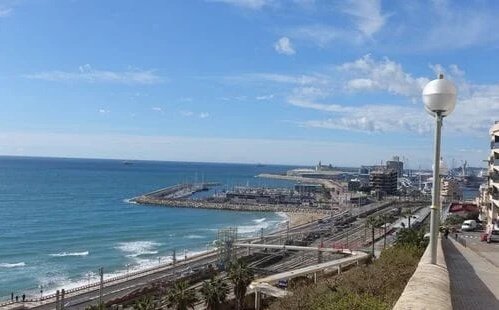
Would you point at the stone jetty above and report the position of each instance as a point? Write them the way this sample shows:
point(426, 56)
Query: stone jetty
point(203, 204)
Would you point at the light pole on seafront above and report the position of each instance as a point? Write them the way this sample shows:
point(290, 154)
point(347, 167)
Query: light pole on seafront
point(439, 97)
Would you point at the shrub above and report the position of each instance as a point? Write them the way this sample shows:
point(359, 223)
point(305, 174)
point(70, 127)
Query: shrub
point(344, 300)
point(453, 219)
point(411, 237)
point(375, 286)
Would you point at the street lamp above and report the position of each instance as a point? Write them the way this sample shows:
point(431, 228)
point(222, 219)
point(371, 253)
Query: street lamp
point(127, 270)
point(439, 97)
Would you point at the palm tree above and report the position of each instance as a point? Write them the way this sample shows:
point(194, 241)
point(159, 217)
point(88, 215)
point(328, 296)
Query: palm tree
point(214, 292)
point(408, 215)
point(241, 276)
point(181, 297)
point(145, 303)
point(373, 222)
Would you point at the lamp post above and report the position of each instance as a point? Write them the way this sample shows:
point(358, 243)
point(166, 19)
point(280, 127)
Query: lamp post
point(127, 270)
point(439, 97)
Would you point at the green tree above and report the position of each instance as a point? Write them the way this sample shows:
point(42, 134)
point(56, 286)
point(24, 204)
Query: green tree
point(214, 293)
point(145, 303)
point(181, 297)
point(241, 276)
point(453, 219)
point(411, 237)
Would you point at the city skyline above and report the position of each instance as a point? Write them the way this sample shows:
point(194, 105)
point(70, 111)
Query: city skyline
point(285, 82)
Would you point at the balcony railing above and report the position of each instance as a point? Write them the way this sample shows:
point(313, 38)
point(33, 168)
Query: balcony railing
point(494, 145)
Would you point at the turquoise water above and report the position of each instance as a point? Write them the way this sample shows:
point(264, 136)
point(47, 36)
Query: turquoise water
point(61, 219)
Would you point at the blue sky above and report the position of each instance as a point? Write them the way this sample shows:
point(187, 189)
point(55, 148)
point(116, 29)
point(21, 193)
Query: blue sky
point(272, 81)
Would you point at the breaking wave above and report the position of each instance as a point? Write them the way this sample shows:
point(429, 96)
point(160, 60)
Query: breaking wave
point(12, 265)
point(64, 254)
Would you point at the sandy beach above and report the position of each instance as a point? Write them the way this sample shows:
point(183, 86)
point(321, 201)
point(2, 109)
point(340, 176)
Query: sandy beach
point(300, 218)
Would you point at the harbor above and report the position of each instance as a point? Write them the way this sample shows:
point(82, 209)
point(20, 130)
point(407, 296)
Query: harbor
point(334, 244)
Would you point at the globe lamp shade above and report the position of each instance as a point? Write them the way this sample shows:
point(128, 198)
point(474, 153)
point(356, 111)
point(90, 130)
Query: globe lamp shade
point(439, 96)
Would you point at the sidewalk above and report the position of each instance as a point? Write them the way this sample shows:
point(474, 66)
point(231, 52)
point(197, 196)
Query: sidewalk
point(474, 281)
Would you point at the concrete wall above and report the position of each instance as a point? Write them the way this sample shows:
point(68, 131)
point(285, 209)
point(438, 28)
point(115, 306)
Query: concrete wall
point(429, 286)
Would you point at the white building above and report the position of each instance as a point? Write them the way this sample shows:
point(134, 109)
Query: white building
point(491, 209)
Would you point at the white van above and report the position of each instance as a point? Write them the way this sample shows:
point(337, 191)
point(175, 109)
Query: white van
point(469, 225)
point(493, 234)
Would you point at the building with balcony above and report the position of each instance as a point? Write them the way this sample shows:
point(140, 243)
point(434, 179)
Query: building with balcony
point(383, 181)
point(492, 207)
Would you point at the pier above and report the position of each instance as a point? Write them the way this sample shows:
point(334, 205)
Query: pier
point(180, 190)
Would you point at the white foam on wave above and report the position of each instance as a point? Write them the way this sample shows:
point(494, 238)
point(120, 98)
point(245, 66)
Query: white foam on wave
point(58, 282)
point(64, 254)
point(137, 248)
point(283, 215)
point(260, 220)
point(12, 265)
point(129, 200)
point(194, 237)
point(251, 229)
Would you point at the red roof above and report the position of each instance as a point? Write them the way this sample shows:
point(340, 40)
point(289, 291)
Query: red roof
point(463, 206)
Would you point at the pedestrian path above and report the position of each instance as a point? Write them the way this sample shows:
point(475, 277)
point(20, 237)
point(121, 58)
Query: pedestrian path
point(474, 281)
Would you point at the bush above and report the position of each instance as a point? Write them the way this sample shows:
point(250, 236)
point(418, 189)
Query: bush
point(454, 219)
point(411, 237)
point(375, 286)
point(344, 300)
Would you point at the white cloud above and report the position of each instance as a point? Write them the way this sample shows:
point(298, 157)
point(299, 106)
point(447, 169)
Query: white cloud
point(157, 109)
point(265, 97)
point(4, 12)
point(367, 73)
point(86, 73)
point(247, 4)
point(204, 115)
point(300, 79)
point(476, 107)
point(377, 118)
point(104, 111)
point(367, 15)
point(284, 46)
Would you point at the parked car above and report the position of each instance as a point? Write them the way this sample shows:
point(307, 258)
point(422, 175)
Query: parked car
point(469, 225)
point(493, 236)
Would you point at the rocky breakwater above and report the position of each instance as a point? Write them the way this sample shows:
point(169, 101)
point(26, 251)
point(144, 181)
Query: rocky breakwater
point(203, 204)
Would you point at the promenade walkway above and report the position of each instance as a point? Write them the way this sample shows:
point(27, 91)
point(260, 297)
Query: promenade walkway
point(474, 281)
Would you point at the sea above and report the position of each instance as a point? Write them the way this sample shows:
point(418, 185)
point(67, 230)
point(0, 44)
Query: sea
point(63, 219)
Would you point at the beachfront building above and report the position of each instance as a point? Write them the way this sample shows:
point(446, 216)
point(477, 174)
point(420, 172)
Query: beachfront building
point(383, 181)
point(492, 209)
